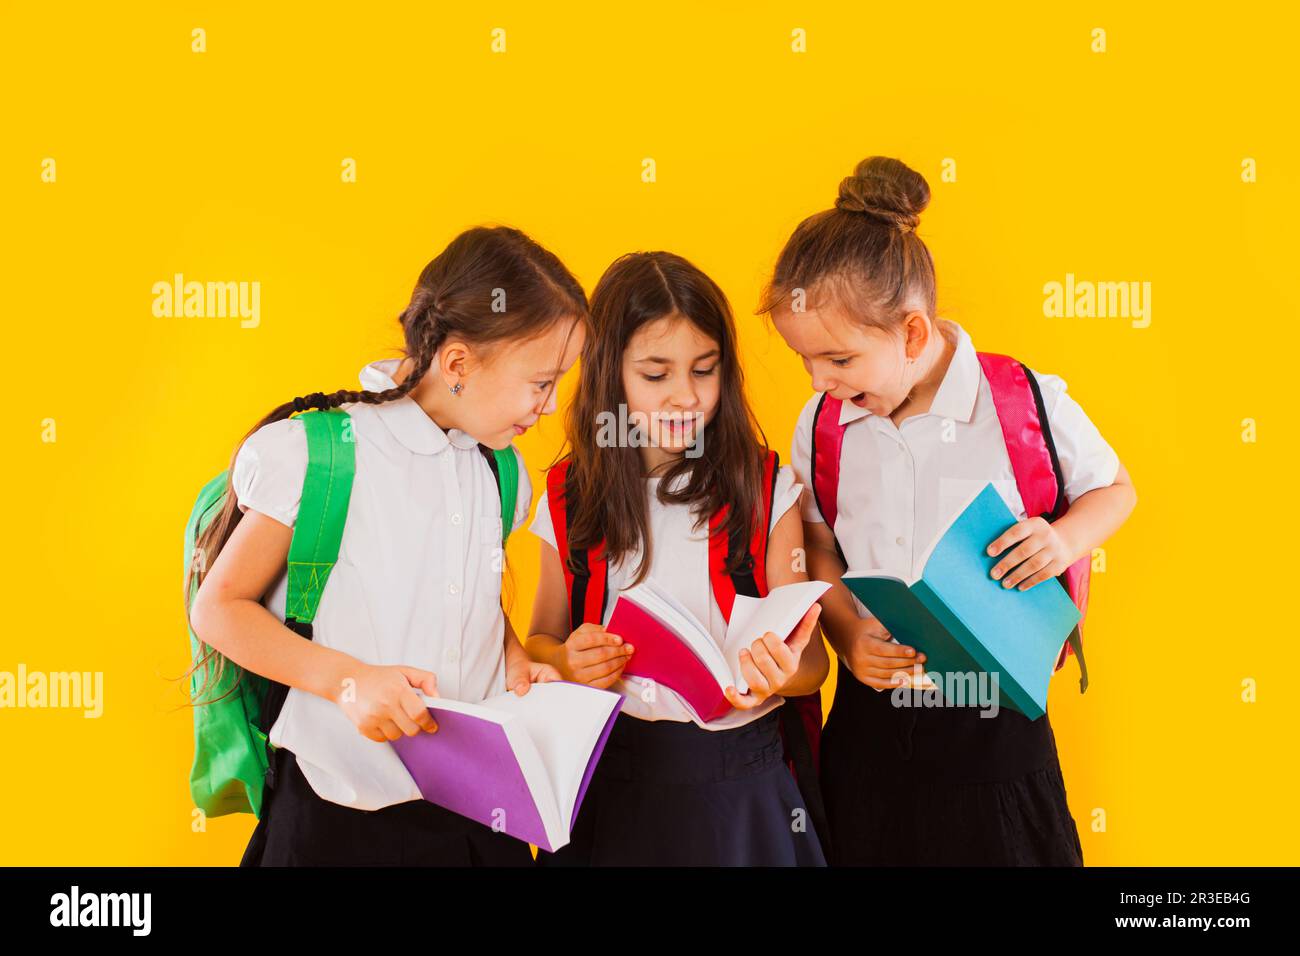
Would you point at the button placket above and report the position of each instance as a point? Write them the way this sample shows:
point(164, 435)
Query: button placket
point(450, 671)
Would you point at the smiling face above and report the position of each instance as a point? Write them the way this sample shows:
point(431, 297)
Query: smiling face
point(672, 381)
point(513, 385)
point(861, 364)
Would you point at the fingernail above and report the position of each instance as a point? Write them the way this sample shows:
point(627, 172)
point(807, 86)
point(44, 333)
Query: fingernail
point(911, 652)
point(1006, 584)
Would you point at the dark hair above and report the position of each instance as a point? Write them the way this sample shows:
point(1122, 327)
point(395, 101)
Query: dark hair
point(609, 482)
point(454, 297)
point(863, 254)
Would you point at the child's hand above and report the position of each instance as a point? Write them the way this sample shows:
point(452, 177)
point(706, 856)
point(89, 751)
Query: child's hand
point(594, 657)
point(383, 704)
point(769, 663)
point(875, 660)
point(525, 672)
point(1042, 553)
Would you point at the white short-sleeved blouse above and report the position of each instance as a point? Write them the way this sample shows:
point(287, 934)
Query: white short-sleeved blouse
point(418, 579)
point(679, 563)
point(900, 486)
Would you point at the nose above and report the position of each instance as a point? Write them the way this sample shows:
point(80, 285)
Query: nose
point(822, 382)
point(684, 397)
point(548, 407)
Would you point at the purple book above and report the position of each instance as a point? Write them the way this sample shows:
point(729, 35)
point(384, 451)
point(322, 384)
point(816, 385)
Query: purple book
point(518, 764)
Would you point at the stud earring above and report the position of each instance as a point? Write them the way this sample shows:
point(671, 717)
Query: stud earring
point(455, 389)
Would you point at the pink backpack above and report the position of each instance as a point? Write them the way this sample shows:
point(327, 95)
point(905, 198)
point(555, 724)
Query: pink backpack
point(1020, 410)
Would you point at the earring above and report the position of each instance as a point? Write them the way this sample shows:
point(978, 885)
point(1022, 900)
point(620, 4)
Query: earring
point(455, 389)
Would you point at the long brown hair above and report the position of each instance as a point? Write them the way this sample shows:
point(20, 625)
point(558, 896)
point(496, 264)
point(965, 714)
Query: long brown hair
point(864, 253)
point(453, 297)
point(609, 482)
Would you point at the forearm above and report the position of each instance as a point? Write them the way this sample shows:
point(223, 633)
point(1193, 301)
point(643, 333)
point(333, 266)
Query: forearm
point(515, 651)
point(1094, 517)
point(839, 618)
point(547, 649)
point(246, 633)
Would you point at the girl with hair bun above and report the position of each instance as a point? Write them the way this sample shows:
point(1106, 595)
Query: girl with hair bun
point(907, 423)
point(414, 600)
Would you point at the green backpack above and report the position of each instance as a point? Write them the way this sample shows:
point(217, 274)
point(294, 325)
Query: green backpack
point(231, 750)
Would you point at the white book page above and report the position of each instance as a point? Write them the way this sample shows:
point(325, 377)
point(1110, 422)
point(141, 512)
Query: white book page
point(564, 721)
point(662, 605)
point(779, 612)
point(531, 762)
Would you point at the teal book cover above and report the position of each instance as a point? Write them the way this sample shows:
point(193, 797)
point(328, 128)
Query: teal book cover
point(964, 621)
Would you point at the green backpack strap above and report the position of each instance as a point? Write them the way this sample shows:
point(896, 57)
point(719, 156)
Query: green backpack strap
point(505, 469)
point(326, 491)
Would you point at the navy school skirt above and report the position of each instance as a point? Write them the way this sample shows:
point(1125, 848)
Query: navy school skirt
point(941, 786)
point(299, 828)
point(667, 793)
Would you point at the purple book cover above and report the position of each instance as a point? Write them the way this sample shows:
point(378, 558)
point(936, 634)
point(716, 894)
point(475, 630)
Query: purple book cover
point(469, 766)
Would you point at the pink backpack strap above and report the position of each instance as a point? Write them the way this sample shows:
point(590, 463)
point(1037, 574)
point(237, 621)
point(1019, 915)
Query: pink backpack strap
point(827, 440)
point(1025, 429)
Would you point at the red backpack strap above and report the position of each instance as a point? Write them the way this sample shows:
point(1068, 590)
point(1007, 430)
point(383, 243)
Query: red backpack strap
point(750, 578)
point(1027, 434)
point(585, 570)
point(827, 442)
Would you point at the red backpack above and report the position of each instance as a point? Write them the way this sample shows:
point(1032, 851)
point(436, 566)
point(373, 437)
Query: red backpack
point(588, 588)
point(1028, 437)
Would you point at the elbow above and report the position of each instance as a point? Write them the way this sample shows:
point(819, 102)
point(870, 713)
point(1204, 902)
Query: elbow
point(203, 615)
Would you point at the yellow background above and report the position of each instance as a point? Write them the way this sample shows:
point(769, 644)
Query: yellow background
point(225, 165)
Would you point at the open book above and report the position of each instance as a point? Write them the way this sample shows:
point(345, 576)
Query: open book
point(967, 622)
point(520, 764)
point(674, 649)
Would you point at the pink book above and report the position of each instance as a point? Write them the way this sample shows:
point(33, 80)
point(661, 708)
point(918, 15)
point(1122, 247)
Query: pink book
point(518, 764)
point(674, 649)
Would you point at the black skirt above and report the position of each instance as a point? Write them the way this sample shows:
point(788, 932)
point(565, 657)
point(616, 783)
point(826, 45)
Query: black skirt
point(941, 786)
point(667, 793)
point(299, 828)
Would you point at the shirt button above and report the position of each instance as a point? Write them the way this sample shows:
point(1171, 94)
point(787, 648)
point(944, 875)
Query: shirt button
point(453, 588)
point(455, 519)
point(453, 655)
point(899, 540)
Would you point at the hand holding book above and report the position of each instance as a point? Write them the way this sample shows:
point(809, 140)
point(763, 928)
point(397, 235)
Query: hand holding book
point(771, 662)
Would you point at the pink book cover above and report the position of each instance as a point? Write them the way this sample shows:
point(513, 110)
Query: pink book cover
point(662, 657)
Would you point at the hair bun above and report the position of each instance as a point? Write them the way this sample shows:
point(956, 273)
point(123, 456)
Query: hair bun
point(885, 189)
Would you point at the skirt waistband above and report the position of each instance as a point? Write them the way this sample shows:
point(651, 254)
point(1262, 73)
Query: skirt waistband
point(681, 752)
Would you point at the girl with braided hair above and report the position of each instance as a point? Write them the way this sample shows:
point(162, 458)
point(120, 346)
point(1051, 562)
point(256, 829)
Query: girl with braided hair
point(414, 600)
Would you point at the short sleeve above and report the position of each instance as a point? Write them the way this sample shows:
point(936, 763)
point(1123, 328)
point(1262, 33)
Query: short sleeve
point(269, 470)
point(785, 496)
point(541, 525)
point(524, 496)
point(1087, 461)
point(801, 460)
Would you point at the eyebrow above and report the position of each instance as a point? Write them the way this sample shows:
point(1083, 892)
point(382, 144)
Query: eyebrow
point(547, 373)
point(663, 361)
point(833, 352)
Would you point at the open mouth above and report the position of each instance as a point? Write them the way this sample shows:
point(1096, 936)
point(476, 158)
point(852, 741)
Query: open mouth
point(859, 399)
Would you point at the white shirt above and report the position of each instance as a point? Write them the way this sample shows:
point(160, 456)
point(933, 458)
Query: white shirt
point(901, 486)
point(679, 562)
point(418, 578)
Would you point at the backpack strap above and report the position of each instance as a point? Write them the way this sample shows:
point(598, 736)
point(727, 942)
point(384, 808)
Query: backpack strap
point(505, 470)
point(750, 576)
point(317, 537)
point(1027, 434)
point(827, 443)
point(585, 569)
point(318, 530)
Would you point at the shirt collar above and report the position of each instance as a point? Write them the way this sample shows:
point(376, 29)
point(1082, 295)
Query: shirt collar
point(409, 423)
point(956, 396)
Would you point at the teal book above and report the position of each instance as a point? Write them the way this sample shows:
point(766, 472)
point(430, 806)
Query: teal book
point(965, 621)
